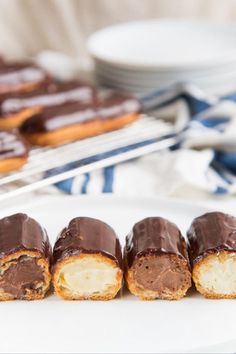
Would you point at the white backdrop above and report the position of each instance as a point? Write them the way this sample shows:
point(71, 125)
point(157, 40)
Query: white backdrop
point(29, 26)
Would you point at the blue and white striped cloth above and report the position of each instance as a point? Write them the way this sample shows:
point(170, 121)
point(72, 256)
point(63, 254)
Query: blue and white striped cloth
point(204, 158)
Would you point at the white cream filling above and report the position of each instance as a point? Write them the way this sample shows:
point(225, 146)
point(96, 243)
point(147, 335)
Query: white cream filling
point(218, 274)
point(87, 276)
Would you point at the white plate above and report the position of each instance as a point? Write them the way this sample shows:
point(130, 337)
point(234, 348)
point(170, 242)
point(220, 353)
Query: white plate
point(123, 325)
point(164, 44)
point(151, 77)
point(216, 87)
point(143, 73)
point(155, 81)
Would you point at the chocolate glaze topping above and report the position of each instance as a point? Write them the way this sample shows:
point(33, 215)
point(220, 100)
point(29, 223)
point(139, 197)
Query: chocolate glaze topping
point(56, 117)
point(19, 73)
point(19, 232)
point(154, 236)
point(12, 145)
point(210, 233)
point(53, 94)
point(87, 235)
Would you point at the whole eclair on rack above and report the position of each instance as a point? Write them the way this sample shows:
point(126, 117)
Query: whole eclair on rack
point(21, 76)
point(156, 260)
point(212, 251)
point(25, 255)
point(87, 261)
point(61, 124)
point(16, 107)
point(14, 151)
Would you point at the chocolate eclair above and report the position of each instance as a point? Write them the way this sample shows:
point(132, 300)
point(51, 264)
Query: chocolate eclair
point(2, 61)
point(61, 124)
point(87, 261)
point(25, 254)
point(156, 260)
point(212, 252)
point(14, 151)
point(21, 76)
point(16, 107)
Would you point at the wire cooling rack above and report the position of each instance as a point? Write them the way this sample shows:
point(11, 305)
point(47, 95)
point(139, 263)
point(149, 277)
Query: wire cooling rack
point(47, 166)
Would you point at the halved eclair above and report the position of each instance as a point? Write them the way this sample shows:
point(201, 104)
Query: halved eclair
point(212, 251)
point(25, 255)
point(87, 261)
point(156, 260)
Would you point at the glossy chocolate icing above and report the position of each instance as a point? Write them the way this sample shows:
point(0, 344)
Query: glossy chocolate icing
point(211, 233)
point(19, 232)
point(53, 118)
point(87, 235)
point(12, 145)
point(52, 94)
point(154, 236)
point(13, 74)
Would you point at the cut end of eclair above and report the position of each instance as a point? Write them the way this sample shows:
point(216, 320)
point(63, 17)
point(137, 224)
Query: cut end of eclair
point(87, 277)
point(215, 275)
point(164, 277)
point(24, 275)
point(16, 120)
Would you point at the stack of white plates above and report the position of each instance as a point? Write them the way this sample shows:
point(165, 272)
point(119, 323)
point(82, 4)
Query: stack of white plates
point(143, 56)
